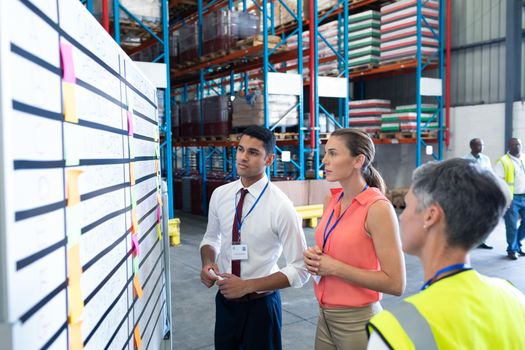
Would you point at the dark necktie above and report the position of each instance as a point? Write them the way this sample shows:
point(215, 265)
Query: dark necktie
point(236, 239)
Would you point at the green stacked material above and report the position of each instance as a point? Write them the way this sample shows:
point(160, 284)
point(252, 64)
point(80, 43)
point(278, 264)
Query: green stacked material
point(407, 116)
point(362, 16)
point(425, 108)
point(364, 39)
point(390, 127)
point(357, 44)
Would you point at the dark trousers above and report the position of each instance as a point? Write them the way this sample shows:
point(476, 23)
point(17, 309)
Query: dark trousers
point(248, 325)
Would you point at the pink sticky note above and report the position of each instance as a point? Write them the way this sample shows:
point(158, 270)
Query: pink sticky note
point(158, 213)
point(130, 124)
point(68, 67)
point(135, 245)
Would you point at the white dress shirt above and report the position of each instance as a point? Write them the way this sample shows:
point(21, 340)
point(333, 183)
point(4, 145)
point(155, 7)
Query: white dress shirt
point(272, 228)
point(519, 173)
point(482, 160)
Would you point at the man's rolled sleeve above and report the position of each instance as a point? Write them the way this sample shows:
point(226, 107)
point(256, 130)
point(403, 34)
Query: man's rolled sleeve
point(294, 244)
point(212, 236)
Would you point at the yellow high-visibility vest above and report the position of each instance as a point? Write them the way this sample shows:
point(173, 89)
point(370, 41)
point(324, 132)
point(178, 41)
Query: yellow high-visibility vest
point(508, 168)
point(462, 311)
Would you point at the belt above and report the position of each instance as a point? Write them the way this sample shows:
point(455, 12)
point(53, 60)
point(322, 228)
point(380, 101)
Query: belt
point(249, 297)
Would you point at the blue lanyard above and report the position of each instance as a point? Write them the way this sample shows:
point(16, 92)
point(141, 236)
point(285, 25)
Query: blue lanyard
point(239, 223)
point(461, 267)
point(326, 235)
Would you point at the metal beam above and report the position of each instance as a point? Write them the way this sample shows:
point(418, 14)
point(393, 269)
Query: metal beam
point(512, 62)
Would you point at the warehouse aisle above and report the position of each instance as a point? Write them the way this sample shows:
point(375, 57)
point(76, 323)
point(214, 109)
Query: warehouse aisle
point(194, 307)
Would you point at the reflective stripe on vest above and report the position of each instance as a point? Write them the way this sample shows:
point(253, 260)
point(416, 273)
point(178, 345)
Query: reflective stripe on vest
point(415, 325)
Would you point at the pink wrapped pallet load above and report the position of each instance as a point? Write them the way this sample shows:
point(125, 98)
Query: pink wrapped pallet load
point(399, 30)
point(366, 114)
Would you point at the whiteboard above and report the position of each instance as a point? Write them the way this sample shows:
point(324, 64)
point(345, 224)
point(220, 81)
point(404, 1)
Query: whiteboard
point(82, 249)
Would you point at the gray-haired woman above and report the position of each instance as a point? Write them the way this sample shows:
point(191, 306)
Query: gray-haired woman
point(450, 208)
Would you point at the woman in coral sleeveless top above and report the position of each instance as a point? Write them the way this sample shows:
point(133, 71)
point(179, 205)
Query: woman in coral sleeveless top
point(358, 251)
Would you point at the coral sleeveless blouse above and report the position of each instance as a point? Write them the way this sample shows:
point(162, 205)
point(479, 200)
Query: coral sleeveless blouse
point(350, 243)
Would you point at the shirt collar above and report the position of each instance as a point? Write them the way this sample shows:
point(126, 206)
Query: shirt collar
point(255, 189)
point(515, 158)
point(361, 198)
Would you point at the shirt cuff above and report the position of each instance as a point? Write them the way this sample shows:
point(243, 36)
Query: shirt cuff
point(215, 245)
point(297, 276)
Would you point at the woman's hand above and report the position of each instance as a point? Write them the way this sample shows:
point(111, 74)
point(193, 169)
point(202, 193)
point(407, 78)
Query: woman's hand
point(318, 263)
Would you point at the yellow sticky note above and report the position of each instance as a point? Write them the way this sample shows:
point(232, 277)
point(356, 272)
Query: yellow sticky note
point(132, 173)
point(134, 222)
point(159, 232)
point(136, 336)
point(76, 302)
point(75, 336)
point(73, 194)
point(137, 287)
point(70, 102)
point(74, 270)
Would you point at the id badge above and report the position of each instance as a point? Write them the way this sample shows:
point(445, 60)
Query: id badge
point(239, 252)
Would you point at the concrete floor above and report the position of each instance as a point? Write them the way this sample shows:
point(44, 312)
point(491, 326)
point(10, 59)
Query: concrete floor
point(193, 306)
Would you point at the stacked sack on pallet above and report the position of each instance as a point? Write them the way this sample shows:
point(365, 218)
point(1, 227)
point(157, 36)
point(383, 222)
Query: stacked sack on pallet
point(329, 32)
point(190, 119)
point(217, 116)
point(364, 39)
point(221, 30)
point(399, 30)
point(366, 114)
point(249, 110)
point(404, 118)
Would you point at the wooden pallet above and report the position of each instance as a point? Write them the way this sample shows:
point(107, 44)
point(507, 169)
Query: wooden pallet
point(400, 135)
point(402, 61)
point(362, 67)
point(214, 138)
point(213, 55)
point(286, 136)
point(258, 40)
point(324, 135)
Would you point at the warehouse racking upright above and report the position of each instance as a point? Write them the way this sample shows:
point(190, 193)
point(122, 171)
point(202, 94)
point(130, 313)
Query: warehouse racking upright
point(163, 42)
point(220, 74)
point(418, 64)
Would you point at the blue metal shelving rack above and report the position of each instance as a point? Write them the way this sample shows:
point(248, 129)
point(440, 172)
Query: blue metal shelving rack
point(341, 56)
point(204, 87)
point(166, 149)
point(422, 63)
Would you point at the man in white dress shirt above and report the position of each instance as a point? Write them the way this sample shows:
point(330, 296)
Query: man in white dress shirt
point(511, 169)
point(476, 155)
point(251, 223)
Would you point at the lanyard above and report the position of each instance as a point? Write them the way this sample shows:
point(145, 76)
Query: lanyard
point(326, 235)
point(239, 223)
point(461, 267)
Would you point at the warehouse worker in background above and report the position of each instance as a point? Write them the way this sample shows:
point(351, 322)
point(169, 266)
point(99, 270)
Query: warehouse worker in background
point(511, 169)
point(250, 222)
point(358, 252)
point(476, 155)
point(457, 308)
